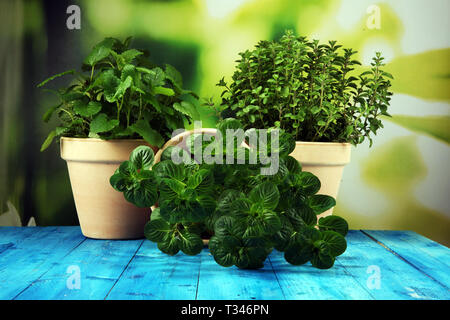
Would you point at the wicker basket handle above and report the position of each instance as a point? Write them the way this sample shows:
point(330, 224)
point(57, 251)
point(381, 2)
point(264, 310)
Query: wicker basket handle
point(180, 139)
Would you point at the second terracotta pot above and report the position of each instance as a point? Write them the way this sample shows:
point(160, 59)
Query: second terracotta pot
point(326, 160)
point(102, 211)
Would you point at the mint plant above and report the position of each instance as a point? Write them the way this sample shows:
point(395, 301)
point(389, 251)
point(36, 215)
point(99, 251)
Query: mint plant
point(244, 213)
point(311, 90)
point(120, 94)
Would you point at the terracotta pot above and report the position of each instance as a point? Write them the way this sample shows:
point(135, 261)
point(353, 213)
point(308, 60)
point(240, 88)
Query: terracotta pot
point(102, 211)
point(326, 160)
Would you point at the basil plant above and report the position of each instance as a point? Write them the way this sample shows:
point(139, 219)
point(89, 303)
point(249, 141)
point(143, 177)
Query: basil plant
point(244, 213)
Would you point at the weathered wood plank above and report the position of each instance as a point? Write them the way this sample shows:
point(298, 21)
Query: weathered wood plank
point(430, 257)
point(219, 283)
point(97, 264)
point(153, 275)
point(306, 282)
point(8, 234)
point(368, 261)
point(34, 265)
point(30, 252)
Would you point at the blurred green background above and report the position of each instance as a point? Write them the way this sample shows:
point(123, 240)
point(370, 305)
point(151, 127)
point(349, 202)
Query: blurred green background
point(402, 182)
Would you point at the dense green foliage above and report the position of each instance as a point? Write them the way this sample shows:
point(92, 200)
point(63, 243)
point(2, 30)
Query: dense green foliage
point(120, 95)
point(247, 214)
point(311, 90)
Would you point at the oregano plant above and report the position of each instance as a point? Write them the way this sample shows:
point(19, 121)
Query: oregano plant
point(244, 214)
point(313, 91)
point(120, 94)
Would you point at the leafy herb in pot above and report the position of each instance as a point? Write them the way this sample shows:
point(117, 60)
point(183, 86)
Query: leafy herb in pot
point(245, 213)
point(120, 94)
point(311, 90)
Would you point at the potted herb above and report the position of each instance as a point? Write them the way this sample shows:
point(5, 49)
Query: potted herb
point(247, 214)
point(313, 92)
point(117, 102)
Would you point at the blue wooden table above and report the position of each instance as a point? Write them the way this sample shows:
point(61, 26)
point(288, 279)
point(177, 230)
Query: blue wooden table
point(60, 263)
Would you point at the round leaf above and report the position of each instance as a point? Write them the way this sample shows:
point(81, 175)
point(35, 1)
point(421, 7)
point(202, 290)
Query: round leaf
point(292, 164)
point(170, 245)
point(101, 123)
point(168, 169)
point(309, 183)
point(334, 223)
point(142, 157)
point(321, 203)
point(87, 110)
point(265, 194)
point(298, 254)
point(156, 230)
point(191, 244)
point(322, 261)
point(335, 242)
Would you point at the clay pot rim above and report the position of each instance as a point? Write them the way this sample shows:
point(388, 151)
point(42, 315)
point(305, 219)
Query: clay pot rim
point(317, 143)
point(99, 140)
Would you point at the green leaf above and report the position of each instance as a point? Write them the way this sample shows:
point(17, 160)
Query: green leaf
point(334, 223)
point(207, 202)
point(227, 226)
point(230, 243)
point(129, 55)
point(265, 194)
point(272, 223)
point(48, 114)
point(224, 257)
point(286, 144)
point(142, 157)
point(170, 245)
point(292, 165)
point(187, 108)
point(150, 135)
point(175, 151)
point(298, 254)
point(164, 91)
point(54, 77)
point(321, 203)
point(229, 123)
point(128, 70)
point(175, 211)
point(101, 123)
point(171, 188)
point(157, 230)
point(168, 169)
point(100, 51)
point(110, 83)
point(127, 169)
point(118, 182)
point(59, 131)
point(48, 140)
point(157, 78)
point(309, 182)
point(322, 261)
point(201, 180)
point(226, 199)
point(301, 216)
point(155, 215)
point(191, 244)
point(87, 110)
point(143, 194)
point(173, 75)
point(122, 88)
point(335, 242)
